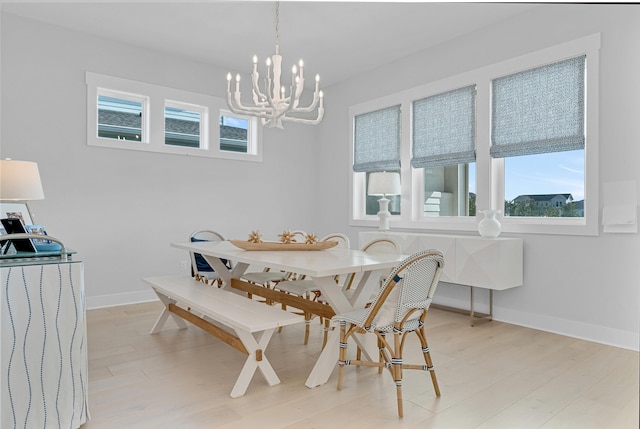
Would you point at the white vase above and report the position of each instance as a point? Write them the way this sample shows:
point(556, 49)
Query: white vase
point(489, 227)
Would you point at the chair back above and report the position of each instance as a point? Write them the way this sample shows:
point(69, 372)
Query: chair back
point(382, 245)
point(198, 263)
point(299, 235)
point(206, 235)
point(342, 239)
point(376, 246)
point(408, 291)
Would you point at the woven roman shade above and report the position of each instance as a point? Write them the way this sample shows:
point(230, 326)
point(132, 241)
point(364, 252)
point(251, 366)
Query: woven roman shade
point(377, 140)
point(444, 129)
point(539, 110)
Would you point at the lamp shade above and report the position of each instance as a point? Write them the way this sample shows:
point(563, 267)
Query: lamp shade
point(20, 181)
point(384, 183)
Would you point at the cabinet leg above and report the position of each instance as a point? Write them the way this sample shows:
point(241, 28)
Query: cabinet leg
point(471, 312)
point(490, 304)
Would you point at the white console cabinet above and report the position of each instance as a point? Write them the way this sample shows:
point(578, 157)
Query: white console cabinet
point(474, 261)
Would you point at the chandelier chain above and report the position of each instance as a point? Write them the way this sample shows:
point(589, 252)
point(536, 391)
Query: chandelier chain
point(277, 24)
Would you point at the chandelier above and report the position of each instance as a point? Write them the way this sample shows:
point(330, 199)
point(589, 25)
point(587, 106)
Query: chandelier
point(274, 104)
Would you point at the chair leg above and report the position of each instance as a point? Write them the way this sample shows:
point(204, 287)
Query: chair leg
point(327, 327)
point(381, 353)
point(307, 324)
point(427, 359)
point(399, 395)
point(396, 369)
point(343, 353)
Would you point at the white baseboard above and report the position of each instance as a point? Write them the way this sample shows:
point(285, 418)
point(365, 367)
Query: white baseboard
point(584, 331)
point(599, 334)
point(117, 299)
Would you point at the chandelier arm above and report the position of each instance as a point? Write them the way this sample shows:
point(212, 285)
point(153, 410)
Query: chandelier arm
point(297, 88)
point(259, 108)
point(305, 121)
point(309, 108)
point(258, 96)
point(240, 109)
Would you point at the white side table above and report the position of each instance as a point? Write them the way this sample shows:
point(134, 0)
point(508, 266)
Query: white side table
point(43, 337)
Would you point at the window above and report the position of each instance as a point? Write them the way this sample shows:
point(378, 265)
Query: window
point(444, 137)
point(517, 136)
point(547, 133)
point(377, 149)
point(183, 125)
point(533, 182)
point(121, 116)
point(127, 114)
point(234, 132)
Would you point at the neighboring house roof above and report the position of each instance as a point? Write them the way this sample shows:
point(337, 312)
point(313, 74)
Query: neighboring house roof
point(172, 125)
point(543, 197)
point(122, 119)
point(232, 133)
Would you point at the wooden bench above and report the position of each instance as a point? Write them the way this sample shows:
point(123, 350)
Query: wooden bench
point(252, 323)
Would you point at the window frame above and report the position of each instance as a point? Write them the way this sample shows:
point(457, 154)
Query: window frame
point(157, 96)
point(489, 171)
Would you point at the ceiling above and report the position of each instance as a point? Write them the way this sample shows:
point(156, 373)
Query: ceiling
point(337, 40)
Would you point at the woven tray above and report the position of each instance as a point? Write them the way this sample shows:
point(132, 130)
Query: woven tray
point(247, 245)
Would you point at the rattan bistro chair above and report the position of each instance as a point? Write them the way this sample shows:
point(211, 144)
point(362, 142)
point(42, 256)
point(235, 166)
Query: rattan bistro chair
point(399, 308)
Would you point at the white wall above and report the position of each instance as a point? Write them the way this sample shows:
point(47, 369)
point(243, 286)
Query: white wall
point(581, 286)
point(120, 209)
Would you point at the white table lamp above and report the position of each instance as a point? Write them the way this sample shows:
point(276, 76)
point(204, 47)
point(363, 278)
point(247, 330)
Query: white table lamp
point(20, 181)
point(384, 184)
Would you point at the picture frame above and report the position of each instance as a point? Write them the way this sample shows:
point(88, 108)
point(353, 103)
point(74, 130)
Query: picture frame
point(13, 209)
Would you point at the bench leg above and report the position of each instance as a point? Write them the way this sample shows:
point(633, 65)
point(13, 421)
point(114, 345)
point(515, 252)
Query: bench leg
point(165, 314)
point(256, 359)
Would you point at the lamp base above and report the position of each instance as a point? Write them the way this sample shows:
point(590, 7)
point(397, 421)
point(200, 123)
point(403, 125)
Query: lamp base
point(383, 214)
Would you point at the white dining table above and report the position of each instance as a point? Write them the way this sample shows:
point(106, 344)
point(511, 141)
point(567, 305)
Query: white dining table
point(321, 266)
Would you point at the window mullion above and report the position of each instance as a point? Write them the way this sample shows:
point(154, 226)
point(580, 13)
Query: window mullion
point(486, 171)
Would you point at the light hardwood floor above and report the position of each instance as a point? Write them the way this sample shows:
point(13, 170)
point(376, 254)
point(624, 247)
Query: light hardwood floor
point(493, 375)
